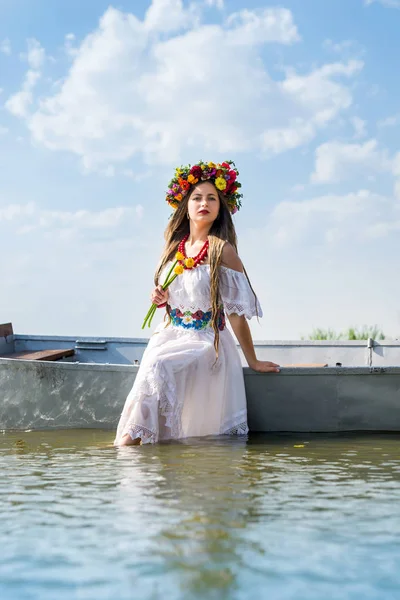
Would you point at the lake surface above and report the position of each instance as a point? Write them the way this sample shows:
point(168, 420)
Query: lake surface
point(280, 517)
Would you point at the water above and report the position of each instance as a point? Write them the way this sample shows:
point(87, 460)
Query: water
point(283, 517)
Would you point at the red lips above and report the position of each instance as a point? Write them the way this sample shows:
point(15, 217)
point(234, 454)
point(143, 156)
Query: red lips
point(203, 212)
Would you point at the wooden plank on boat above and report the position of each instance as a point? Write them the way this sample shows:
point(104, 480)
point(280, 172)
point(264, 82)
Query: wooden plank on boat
point(307, 365)
point(55, 354)
point(6, 329)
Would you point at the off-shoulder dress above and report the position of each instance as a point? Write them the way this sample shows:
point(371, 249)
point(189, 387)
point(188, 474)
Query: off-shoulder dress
point(180, 389)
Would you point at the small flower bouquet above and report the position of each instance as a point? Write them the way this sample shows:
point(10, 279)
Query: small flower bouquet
point(177, 269)
point(181, 263)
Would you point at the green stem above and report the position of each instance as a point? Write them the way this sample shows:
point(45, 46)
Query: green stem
point(167, 277)
point(150, 314)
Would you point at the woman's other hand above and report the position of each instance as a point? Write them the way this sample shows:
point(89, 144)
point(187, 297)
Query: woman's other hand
point(159, 296)
point(264, 366)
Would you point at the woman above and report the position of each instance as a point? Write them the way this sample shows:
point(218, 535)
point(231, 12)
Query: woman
point(190, 381)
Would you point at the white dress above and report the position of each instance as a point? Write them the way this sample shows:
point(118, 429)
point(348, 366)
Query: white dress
point(180, 389)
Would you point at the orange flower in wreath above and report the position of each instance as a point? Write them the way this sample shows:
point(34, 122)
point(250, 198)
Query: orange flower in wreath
point(185, 185)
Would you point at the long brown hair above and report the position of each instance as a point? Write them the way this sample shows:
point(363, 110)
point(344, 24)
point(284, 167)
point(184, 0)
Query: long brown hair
point(222, 230)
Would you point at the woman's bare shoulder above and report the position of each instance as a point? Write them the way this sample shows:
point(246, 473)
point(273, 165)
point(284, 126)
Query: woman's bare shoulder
point(230, 258)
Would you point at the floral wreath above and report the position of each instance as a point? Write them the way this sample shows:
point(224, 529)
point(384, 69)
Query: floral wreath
point(223, 176)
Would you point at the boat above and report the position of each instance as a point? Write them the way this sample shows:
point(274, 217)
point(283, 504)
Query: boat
point(58, 382)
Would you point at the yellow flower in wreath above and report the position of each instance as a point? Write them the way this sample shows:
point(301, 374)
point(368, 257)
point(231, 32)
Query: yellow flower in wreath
point(220, 183)
point(192, 179)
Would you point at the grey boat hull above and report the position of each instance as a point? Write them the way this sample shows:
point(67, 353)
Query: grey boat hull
point(48, 395)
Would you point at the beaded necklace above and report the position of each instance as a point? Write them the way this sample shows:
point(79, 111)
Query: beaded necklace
point(188, 262)
point(182, 262)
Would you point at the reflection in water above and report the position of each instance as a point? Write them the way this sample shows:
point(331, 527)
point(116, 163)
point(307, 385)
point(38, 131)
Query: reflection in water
point(209, 499)
point(303, 517)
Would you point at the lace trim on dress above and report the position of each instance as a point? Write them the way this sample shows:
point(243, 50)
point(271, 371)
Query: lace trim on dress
point(192, 308)
point(241, 429)
point(236, 424)
point(237, 295)
point(157, 383)
point(138, 431)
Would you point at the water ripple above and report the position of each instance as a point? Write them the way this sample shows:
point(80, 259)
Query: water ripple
point(300, 517)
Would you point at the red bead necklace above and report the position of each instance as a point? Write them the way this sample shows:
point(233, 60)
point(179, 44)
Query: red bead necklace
point(202, 255)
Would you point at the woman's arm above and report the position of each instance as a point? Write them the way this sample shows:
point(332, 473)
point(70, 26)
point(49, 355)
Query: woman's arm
point(239, 324)
point(242, 331)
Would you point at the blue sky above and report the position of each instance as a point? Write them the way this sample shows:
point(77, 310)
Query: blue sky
point(99, 102)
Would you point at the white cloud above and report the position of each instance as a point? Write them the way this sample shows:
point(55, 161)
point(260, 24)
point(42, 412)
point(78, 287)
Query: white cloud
point(133, 91)
point(388, 3)
point(299, 132)
point(397, 189)
point(331, 218)
point(338, 47)
point(218, 3)
point(85, 219)
point(299, 187)
point(346, 49)
point(392, 121)
point(334, 205)
point(382, 229)
point(5, 46)
point(396, 173)
point(139, 209)
point(70, 48)
point(169, 16)
point(359, 127)
point(396, 165)
point(19, 103)
point(109, 171)
point(16, 211)
point(36, 54)
point(136, 176)
point(336, 161)
point(317, 97)
point(249, 27)
point(29, 217)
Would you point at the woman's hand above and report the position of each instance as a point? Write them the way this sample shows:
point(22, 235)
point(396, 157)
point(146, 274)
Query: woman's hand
point(264, 366)
point(159, 296)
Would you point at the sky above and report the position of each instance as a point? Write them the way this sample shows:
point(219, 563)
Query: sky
point(100, 102)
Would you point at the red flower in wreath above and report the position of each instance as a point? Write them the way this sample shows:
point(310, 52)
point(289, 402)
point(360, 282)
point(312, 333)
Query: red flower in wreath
point(197, 172)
